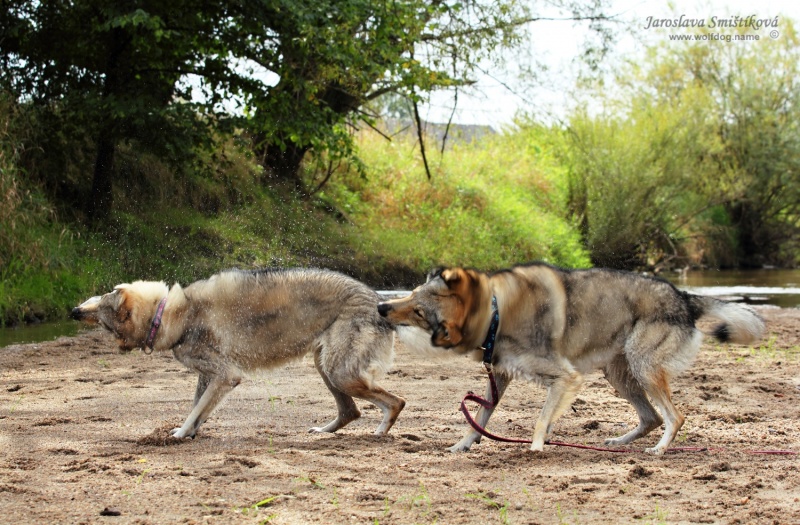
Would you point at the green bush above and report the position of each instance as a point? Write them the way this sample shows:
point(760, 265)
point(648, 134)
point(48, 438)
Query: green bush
point(488, 205)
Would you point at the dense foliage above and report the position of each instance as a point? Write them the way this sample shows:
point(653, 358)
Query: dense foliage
point(695, 158)
point(292, 75)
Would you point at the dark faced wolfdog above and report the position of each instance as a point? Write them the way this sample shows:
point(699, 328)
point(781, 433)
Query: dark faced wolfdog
point(557, 325)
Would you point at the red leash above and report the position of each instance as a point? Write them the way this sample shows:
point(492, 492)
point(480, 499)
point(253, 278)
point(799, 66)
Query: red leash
point(492, 404)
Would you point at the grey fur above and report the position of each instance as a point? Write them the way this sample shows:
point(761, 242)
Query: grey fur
point(238, 322)
point(558, 325)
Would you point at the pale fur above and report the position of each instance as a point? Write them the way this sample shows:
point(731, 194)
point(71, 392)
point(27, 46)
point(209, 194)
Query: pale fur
point(743, 324)
point(236, 323)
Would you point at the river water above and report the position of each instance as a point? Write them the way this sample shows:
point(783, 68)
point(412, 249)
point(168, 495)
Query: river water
point(776, 287)
point(36, 333)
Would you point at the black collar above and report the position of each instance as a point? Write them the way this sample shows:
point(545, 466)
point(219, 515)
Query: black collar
point(488, 343)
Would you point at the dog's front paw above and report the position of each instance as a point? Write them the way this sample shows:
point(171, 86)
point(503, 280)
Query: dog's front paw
point(176, 432)
point(537, 446)
point(460, 447)
point(656, 451)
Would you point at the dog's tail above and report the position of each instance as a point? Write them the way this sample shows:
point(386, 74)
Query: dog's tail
point(740, 324)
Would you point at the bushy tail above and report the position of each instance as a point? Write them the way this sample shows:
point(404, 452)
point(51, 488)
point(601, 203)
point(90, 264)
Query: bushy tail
point(740, 324)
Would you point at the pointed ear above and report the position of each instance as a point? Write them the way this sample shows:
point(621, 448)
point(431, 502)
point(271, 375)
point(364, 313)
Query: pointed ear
point(120, 293)
point(124, 305)
point(433, 274)
point(451, 275)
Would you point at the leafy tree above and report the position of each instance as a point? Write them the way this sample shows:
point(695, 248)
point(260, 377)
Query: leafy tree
point(697, 150)
point(110, 69)
point(335, 56)
point(760, 102)
point(633, 185)
point(754, 102)
point(116, 69)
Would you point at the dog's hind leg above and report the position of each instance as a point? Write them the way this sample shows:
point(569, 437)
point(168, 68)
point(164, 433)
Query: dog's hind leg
point(619, 376)
point(657, 387)
point(560, 395)
point(390, 404)
point(346, 407)
point(483, 415)
point(202, 383)
point(655, 354)
point(216, 389)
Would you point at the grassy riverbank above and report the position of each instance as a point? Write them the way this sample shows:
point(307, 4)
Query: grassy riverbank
point(387, 227)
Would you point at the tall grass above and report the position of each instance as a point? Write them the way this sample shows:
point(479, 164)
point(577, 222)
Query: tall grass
point(488, 204)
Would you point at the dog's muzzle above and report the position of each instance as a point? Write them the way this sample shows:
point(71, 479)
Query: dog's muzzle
point(83, 310)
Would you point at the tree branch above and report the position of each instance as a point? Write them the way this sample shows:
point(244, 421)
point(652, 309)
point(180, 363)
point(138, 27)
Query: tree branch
point(376, 130)
point(421, 139)
point(431, 37)
point(331, 169)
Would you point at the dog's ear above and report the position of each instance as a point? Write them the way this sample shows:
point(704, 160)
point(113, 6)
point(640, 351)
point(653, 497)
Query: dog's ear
point(120, 295)
point(433, 274)
point(451, 275)
point(123, 303)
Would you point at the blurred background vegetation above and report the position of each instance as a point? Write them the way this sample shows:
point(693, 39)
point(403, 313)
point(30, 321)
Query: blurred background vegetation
point(113, 169)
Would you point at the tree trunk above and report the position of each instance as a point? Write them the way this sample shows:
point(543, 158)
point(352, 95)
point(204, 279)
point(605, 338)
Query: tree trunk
point(284, 165)
point(102, 196)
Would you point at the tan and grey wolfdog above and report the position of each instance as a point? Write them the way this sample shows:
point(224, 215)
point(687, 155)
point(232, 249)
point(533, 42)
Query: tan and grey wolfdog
point(556, 325)
point(238, 322)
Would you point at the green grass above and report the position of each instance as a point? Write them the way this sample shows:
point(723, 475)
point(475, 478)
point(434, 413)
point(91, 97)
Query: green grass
point(174, 244)
point(492, 503)
point(488, 206)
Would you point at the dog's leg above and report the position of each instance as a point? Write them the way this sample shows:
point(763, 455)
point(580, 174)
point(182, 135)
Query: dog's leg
point(390, 404)
point(658, 390)
point(619, 375)
point(217, 388)
point(560, 396)
point(202, 383)
point(654, 353)
point(483, 415)
point(346, 407)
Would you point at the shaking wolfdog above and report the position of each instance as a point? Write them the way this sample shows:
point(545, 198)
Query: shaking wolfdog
point(239, 321)
point(557, 325)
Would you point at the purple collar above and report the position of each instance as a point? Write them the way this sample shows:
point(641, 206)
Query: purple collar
point(155, 324)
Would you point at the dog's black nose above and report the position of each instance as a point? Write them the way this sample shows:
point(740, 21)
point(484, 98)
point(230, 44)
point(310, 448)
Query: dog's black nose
point(383, 309)
point(76, 314)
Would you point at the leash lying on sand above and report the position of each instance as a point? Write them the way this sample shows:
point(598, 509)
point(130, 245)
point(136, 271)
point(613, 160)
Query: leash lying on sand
point(490, 405)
